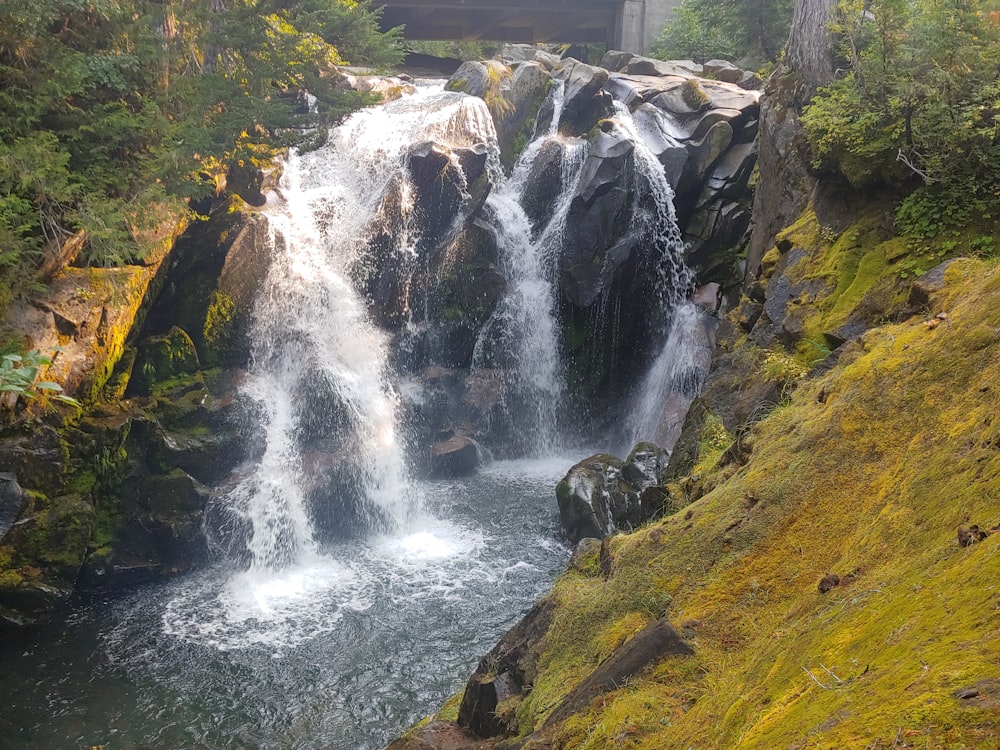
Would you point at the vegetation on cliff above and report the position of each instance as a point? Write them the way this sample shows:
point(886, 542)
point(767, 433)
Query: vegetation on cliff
point(115, 112)
point(834, 570)
point(918, 103)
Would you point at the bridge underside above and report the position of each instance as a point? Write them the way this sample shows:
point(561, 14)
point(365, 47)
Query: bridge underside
point(572, 21)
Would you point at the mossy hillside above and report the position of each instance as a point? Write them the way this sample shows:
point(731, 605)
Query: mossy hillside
point(867, 470)
point(867, 270)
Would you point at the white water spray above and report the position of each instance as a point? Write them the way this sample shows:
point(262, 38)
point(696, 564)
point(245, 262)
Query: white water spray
point(320, 377)
point(525, 326)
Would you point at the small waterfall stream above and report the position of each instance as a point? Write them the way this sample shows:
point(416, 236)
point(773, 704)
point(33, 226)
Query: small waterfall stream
point(523, 335)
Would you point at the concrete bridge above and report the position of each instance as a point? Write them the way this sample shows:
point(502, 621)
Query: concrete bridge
point(630, 25)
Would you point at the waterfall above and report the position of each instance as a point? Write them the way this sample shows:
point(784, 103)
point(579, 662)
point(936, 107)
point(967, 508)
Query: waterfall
point(674, 380)
point(523, 337)
point(320, 383)
point(685, 342)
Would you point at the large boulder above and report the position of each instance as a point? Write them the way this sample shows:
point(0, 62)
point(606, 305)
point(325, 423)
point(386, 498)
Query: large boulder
point(603, 494)
point(454, 456)
point(584, 100)
point(523, 97)
point(596, 241)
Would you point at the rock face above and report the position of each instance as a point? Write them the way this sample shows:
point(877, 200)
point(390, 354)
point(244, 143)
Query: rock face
point(603, 494)
point(612, 255)
point(116, 494)
point(645, 649)
point(507, 670)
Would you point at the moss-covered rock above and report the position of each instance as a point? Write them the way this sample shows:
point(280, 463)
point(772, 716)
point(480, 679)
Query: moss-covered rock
point(163, 358)
point(862, 473)
point(41, 556)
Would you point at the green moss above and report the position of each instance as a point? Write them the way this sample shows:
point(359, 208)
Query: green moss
point(449, 710)
point(218, 333)
point(56, 534)
point(868, 470)
point(694, 95)
point(164, 358)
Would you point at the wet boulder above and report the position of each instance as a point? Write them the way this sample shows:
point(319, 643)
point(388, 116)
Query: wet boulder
point(585, 497)
point(585, 101)
point(454, 455)
point(449, 186)
point(544, 184)
point(12, 500)
point(603, 494)
point(657, 136)
point(439, 186)
point(596, 239)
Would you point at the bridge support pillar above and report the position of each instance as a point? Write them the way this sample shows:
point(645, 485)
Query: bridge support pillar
point(640, 22)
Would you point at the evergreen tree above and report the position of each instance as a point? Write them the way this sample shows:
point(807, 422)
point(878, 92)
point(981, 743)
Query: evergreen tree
point(752, 32)
point(113, 113)
point(918, 99)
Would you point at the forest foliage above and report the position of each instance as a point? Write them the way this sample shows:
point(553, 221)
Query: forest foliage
point(916, 101)
point(914, 104)
point(115, 114)
point(751, 32)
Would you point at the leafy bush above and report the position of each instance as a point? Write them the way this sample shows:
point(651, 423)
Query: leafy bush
point(920, 99)
point(19, 379)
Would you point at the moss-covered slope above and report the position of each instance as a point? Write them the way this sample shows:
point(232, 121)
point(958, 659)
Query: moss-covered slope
point(860, 477)
point(867, 473)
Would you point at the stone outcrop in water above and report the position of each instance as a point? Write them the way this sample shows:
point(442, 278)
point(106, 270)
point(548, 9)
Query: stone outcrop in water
point(603, 494)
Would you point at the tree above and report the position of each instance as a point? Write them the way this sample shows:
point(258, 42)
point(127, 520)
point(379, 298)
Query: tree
point(919, 98)
point(115, 113)
point(751, 31)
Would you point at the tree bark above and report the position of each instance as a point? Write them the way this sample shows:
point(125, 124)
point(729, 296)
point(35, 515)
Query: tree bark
point(786, 183)
point(810, 42)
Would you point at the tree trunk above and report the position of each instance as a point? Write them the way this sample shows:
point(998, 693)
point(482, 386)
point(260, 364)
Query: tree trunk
point(786, 183)
point(810, 41)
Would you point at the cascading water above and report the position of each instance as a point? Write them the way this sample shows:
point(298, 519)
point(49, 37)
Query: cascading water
point(344, 642)
point(319, 363)
point(523, 334)
point(677, 374)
